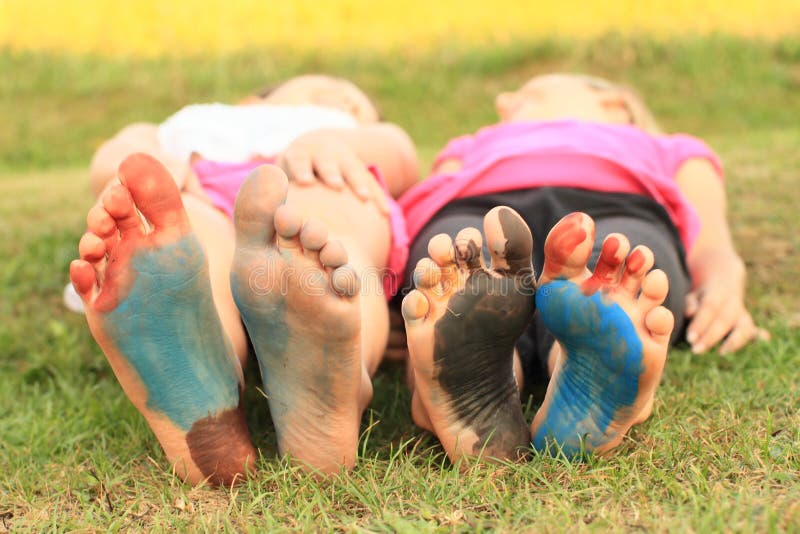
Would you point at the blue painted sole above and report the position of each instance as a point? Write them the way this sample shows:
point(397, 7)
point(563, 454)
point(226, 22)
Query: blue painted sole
point(600, 375)
point(169, 331)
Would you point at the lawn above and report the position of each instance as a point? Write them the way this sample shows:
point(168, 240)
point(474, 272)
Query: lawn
point(721, 452)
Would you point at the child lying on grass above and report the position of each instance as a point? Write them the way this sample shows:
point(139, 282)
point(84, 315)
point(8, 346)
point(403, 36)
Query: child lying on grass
point(167, 277)
point(564, 144)
point(169, 270)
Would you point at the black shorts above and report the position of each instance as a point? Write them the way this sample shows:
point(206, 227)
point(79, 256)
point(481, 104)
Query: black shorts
point(641, 219)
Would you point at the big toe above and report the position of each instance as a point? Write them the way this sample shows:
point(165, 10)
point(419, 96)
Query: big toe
point(154, 191)
point(509, 240)
point(568, 247)
point(259, 197)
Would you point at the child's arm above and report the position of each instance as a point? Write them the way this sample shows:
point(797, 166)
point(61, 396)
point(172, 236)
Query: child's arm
point(138, 137)
point(447, 165)
point(339, 157)
point(716, 304)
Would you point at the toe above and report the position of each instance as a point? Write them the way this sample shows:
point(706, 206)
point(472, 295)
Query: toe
point(608, 271)
point(344, 281)
point(118, 202)
point(91, 248)
point(415, 308)
point(427, 276)
point(288, 223)
point(333, 254)
point(468, 245)
point(637, 266)
point(313, 237)
point(568, 247)
point(99, 222)
point(654, 290)
point(259, 197)
point(83, 278)
point(509, 240)
point(442, 252)
point(154, 192)
point(659, 322)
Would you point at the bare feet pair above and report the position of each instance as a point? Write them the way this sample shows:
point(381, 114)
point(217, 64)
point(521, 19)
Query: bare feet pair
point(143, 278)
point(464, 319)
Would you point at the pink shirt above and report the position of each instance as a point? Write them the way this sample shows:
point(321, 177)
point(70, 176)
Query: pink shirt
point(566, 153)
point(221, 181)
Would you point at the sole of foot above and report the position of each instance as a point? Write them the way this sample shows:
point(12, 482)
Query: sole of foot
point(143, 278)
point(462, 322)
point(299, 300)
point(612, 337)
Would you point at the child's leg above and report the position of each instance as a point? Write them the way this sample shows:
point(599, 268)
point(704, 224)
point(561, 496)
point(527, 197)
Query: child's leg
point(215, 232)
point(612, 338)
point(537, 344)
point(148, 298)
point(306, 278)
point(365, 234)
point(462, 323)
point(666, 257)
point(604, 380)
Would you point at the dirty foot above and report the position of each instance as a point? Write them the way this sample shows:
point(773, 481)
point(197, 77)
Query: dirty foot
point(462, 323)
point(612, 334)
point(145, 286)
point(300, 302)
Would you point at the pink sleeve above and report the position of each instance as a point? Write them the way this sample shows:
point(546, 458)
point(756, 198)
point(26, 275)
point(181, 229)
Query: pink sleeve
point(678, 149)
point(456, 148)
point(398, 253)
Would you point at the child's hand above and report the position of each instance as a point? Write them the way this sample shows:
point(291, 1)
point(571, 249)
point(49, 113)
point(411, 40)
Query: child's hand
point(322, 156)
point(716, 308)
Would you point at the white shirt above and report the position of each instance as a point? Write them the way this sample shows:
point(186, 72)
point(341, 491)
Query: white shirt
point(236, 134)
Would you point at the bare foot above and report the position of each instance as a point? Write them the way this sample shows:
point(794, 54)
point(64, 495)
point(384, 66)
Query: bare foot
point(613, 336)
point(299, 300)
point(462, 323)
point(145, 286)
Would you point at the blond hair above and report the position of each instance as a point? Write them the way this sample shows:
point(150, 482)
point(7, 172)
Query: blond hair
point(641, 116)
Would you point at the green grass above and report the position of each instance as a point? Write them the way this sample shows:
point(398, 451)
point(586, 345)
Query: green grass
point(56, 110)
point(722, 451)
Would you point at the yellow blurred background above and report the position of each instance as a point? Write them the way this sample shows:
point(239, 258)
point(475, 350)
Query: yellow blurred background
point(153, 27)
